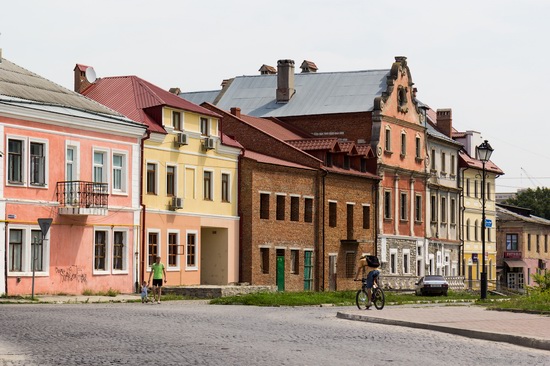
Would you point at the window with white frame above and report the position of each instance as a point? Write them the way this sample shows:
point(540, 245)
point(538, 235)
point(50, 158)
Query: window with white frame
point(153, 246)
point(119, 172)
point(406, 261)
point(418, 151)
point(393, 261)
point(207, 185)
point(15, 161)
point(25, 244)
point(120, 250)
point(173, 252)
point(205, 126)
point(37, 163)
point(387, 142)
point(176, 120)
point(170, 180)
point(19, 164)
point(101, 250)
point(226, 187)
point(294, 261)
point(191, 250)
point(100, 166)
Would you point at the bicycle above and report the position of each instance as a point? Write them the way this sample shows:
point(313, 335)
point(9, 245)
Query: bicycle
point(378, 297)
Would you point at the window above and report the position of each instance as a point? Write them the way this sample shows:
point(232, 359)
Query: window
point(387, 146)
point(545, 243)
point(393, 261)
point(443, 161)
point(403, 206)
point(468, 229)
point(225, 187)
point(537, 244)
point(475, 230)
point(191, 249)
point(350, 221)
point(294, 261)
point(264, 205)
point(332, 214)
point(350, 264)
point(406, 260)
point(528, 242)
point(308, 270)
point(453, 166)
point(100, 250)
point(294, 208)
point(366, 217)
point(418, 208)
point(453, 211)
point(433, 160)
point(346, 162)
point(308, 210)
point(38, 164)
point(433, 209)
point(151, 178)
point(207, 186)
point(173, 243)
point(264, 264)
point(205, 130)
point(403, 144)
point(387, 205)
point(328, 159)
point(176, 120)
point(119, 250)
point(488, 192)
point(100, 172)
point(468, 187)
point(280, 207)
point(443, 209)
point(170, 180)
point(418, 150)
point(119, 176)
point(153, 247)
point(24, 245)
point(15, 161)
point(475, 188)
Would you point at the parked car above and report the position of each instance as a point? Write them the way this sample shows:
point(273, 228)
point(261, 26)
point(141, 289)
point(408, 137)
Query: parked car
point(431, 285)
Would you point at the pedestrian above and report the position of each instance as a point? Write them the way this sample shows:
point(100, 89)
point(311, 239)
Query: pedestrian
point(158, 272)
point(144, 289)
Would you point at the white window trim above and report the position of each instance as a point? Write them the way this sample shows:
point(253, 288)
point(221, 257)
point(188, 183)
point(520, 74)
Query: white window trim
point(196, 266)
point(387, 139)
point(125, 253)
point(157, 173)
point(393, 253)
point(24, 149)
point(177, 267)
point(26, 252)
point(407, 258)
point(75, 145)
point(229, 185)
point(124, 174)
point(108, 251)
point(106, 164)
point(153, 231)
point(212, 184)
point(46, 162)
point(176, 185)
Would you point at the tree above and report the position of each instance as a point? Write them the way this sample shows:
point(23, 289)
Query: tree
point(538, 200)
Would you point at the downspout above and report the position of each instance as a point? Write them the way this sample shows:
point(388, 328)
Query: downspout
point(6, 258)
point(461, 219)
point(325, 173)
point(239, 207)
point(143, 211)
point(376, 191)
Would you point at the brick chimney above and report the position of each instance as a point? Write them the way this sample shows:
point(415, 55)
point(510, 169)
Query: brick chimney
point(445, 121)
point(236, 111)
point(81, 80)
point(176, 91)
point(285, 80)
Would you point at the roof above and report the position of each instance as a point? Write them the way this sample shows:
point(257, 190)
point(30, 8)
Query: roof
point(261, 158)
point(530, 218)
point(328, 143)
point(474, 163)
point(316, 93)
point(20, 83)
point(272, 128)
point(131, 96)
point(201, 96)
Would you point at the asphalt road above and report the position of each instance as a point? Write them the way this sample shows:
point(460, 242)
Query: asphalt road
point(183, 333)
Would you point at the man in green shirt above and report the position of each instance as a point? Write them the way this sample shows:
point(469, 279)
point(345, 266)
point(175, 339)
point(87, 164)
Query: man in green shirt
point(158, 272)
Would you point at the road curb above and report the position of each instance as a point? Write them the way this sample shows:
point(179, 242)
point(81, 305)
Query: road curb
point(488, 336)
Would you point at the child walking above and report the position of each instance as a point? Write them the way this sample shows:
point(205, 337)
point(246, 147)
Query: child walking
point(144, 289)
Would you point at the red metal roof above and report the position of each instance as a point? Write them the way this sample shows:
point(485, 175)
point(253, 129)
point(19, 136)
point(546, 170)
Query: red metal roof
point(131, 95)
point(271, 128)
point(271, 160)
point(474, 163)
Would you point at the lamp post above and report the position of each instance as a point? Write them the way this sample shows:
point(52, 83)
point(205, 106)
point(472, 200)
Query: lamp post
point(483, 153)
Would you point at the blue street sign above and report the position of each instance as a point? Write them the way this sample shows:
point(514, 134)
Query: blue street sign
point(488, 223)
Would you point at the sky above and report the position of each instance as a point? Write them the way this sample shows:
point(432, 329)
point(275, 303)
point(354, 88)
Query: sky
point(484, 59)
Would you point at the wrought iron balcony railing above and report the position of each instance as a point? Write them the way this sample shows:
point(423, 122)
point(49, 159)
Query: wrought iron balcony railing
point(80, 194)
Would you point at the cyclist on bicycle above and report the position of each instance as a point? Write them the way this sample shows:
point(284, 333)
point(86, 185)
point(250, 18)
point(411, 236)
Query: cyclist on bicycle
point(370, 268)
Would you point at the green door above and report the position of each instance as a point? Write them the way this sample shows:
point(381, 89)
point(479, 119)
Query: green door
point(307, 271)
point(280, 273)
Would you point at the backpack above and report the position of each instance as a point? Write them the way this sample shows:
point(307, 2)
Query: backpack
point(372, 261)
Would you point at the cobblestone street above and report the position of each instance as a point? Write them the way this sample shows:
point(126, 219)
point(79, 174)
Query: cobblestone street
point(187, 333)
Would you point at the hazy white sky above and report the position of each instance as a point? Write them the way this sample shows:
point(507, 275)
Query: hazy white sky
point(485, 59)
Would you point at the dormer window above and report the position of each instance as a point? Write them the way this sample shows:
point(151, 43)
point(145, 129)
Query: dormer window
point(205, 128)
point(346, 162)
point(329, 159)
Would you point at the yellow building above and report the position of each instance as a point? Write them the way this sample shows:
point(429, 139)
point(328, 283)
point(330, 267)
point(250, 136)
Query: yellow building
point(189, 183)
point(472, 211)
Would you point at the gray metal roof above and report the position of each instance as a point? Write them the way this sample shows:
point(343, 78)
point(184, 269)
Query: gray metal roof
point(435, 133)
point(316, 93)
point(200, 96)
point(18, 82)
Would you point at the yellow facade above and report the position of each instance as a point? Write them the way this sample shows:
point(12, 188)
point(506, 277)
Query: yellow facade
point(190, 192)
point(472, 226)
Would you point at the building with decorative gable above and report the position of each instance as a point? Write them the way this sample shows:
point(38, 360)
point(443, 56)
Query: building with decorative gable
point(188, 185)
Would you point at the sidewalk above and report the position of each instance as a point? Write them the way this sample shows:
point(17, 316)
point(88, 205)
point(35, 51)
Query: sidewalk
point(528, 330)
point(73, 299)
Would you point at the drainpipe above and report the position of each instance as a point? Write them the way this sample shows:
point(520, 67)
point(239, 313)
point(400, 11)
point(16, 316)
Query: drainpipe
point(325, 173)
point(6, 257)
point(461, 267)
point(239, 207)
point(143, 208)
point(376, 191)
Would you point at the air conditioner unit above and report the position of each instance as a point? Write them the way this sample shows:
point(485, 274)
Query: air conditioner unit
point(209, 143)
point(182, 139)
point(177, 202)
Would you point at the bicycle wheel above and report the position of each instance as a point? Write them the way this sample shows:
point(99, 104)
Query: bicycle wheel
point(379, 299)
point(362, 299)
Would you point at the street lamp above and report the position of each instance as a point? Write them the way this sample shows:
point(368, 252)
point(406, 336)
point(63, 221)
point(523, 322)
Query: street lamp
point(483, 153)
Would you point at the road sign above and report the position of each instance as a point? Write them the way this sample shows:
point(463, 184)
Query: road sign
point(488, 223)
point(45, 225)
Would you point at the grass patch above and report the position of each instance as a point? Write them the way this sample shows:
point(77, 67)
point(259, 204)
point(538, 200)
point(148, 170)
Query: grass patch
point(110, 293)
point(535, 301)
point(17, 297)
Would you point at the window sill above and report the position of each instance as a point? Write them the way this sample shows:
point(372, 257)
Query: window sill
point(388, 152)
point(402, 156)
point(120, 271)
point(418, 159)
point(173, 269)
point(28, 274)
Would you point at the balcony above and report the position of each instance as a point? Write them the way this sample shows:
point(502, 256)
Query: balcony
point(82, 198)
